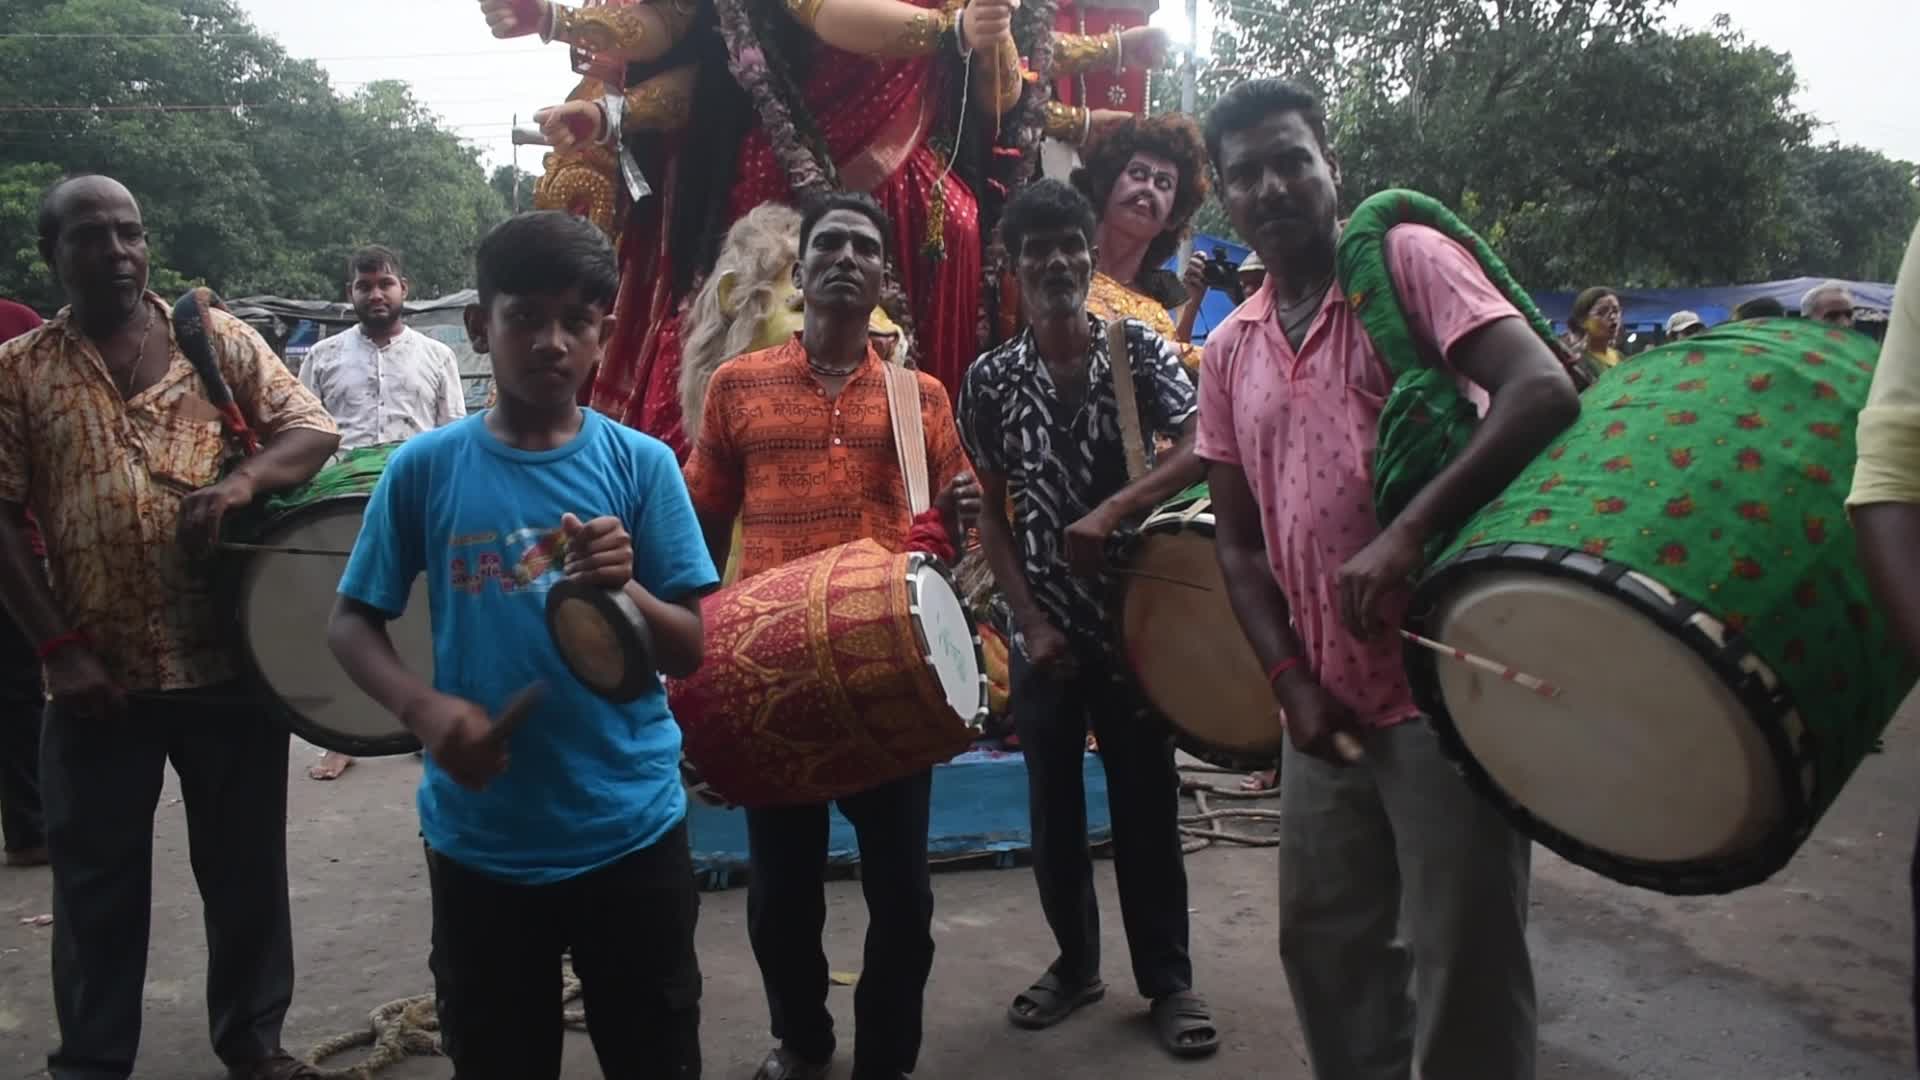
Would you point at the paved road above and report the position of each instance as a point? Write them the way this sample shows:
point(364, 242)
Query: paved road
point(1803, 977)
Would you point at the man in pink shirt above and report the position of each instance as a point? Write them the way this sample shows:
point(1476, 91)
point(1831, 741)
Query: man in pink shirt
point(1290, 397)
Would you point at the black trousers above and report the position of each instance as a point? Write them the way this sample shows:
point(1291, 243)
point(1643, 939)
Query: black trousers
point(101, 781)
point(1052, 715)
point(22, 825)
point(787, 911)
point(629, 926)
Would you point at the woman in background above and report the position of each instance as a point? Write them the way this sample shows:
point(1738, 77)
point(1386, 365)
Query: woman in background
point(1592, 328)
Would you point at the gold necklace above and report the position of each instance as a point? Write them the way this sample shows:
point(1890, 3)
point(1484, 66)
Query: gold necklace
point(139, 359)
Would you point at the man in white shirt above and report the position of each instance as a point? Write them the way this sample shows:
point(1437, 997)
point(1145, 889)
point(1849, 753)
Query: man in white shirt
point(382, 381)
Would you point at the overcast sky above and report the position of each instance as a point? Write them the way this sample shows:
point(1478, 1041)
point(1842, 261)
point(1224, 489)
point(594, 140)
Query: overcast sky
point(1854, 60)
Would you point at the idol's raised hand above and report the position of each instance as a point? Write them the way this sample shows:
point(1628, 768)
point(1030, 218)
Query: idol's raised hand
point(515, 18)
point(1143, 47)
point(987, 21)
point(569, 124)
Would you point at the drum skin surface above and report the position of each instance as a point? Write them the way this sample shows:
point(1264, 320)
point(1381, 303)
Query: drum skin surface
point(1185, 646)
point(1680, 563)
point(282, 604)
point(819, 683)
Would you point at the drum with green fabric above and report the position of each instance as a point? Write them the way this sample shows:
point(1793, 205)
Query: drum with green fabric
point(281, 601)
point(1426, 420)
point(1680, 564)
point(1184, 643)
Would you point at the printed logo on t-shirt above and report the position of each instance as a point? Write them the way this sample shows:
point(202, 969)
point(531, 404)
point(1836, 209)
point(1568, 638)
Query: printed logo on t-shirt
point(530, 562)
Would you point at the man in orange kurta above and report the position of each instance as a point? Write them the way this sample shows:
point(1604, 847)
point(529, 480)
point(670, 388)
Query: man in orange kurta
point(797, 442)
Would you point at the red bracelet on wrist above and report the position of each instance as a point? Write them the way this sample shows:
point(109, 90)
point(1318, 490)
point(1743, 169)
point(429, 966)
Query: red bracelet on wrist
point(1281, 668)
point(59, 641)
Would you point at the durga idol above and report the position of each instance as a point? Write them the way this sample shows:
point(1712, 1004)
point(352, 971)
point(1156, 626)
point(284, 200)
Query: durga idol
point(722, 105)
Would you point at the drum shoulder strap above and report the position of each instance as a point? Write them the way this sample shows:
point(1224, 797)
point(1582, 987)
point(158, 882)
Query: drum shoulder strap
point(193, 331)
point(1364, 273)
point(909, 437)
point(1120, 363)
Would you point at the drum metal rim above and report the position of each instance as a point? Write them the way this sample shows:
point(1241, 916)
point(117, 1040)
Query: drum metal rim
point(1767, 707)
point(629, 627)
point(915, 562)
point(256, 679)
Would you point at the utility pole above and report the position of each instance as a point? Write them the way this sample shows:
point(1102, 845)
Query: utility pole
point(516, 162)
point(1189, 92)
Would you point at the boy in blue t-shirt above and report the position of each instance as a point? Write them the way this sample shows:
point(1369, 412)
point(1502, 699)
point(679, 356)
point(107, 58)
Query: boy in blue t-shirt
point(580, 843)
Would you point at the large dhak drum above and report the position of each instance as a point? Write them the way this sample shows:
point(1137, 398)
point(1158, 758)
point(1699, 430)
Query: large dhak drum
point(1680, 565)
point(1184, 644)
point(831, 675)
point(283, 598)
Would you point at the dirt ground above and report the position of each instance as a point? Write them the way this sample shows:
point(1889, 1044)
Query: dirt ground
point(1804, 976)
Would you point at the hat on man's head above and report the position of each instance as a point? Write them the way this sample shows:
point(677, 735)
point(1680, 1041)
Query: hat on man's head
point(1683, 320)
point(1252, 264)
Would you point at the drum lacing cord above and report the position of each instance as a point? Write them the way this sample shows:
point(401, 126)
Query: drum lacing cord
point(1199, 837)
point(409, 1027)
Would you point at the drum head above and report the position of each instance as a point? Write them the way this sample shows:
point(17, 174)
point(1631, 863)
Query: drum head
point(1190, 657)
point(604, 639)
point(1647, 755)
point(949, 642)
point(285, 602)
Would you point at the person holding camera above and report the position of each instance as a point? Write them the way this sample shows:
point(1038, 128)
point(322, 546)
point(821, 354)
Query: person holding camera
point(1207, 272)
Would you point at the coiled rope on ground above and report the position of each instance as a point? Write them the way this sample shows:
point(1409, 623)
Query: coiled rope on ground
point(1203, 828)
point(409, 1027)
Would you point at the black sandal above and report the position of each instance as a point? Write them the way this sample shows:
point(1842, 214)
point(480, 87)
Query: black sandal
point(1049, 1001)
point(1186, 1025)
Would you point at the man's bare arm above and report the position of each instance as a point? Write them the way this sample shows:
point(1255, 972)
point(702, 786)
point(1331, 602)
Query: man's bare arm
point(1533, 400)
point(679, 637)
point(357, 636)
point(1179, 470)
point(287, 460)
point(23, 584)
point(1241, 548)
point(1889, 536)
point(996, 539)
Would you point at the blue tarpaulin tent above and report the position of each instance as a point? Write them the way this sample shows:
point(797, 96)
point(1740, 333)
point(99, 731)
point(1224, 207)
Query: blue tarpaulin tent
point(1650, 307)
point(1644, 308)
point(1217, 305)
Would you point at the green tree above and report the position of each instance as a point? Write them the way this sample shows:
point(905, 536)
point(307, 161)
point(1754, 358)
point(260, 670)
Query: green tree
point(1848, 213)
point(502, 182)
point(22, 274)
point(1585, 140)
point(255, 176)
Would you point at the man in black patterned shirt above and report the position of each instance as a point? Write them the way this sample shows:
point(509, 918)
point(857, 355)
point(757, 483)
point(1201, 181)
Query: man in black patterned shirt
point(1040, 421)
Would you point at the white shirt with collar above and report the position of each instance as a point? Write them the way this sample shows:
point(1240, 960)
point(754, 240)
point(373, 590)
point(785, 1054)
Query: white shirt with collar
point(385, 393)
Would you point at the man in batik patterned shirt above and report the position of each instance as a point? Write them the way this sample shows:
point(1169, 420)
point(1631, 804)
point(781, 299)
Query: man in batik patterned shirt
point(1043, 428)
point(107, 433)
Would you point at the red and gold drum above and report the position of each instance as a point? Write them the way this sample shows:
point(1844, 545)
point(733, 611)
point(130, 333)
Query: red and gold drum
point(830, 675)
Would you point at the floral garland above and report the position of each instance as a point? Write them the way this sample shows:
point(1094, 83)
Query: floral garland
point(1018, 151)
point(769, 83)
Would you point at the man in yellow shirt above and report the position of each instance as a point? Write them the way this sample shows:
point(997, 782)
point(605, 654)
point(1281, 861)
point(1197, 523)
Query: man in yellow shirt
point(1885, 501)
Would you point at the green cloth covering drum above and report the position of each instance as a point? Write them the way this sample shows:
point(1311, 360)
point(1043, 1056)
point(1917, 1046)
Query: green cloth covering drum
point(1426, 420)
point(1718, 467)
point(351, 472)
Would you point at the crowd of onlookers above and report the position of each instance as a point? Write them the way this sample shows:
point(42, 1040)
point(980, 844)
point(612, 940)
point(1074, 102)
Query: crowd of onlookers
point(1598, 333)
